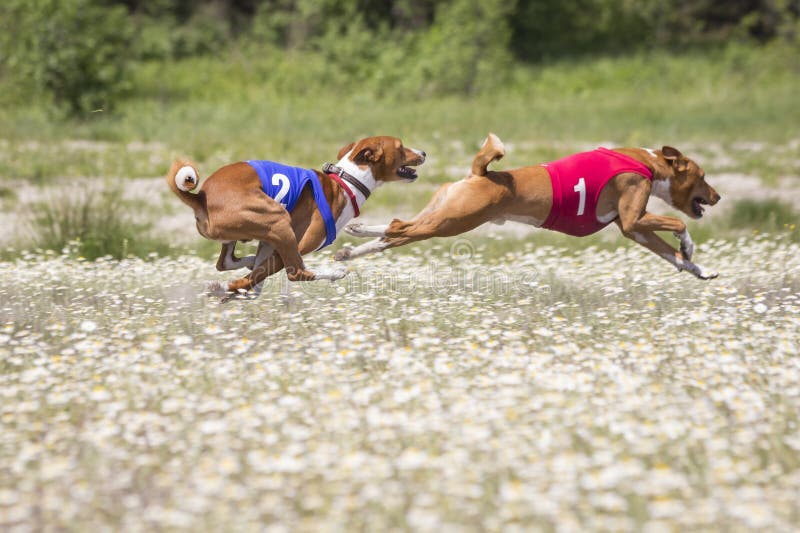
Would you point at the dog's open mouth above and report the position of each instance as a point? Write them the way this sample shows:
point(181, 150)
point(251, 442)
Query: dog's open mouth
point(697, 206)
point(407, 173)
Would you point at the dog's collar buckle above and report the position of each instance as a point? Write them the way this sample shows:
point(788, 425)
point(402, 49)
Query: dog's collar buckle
point(330, 168)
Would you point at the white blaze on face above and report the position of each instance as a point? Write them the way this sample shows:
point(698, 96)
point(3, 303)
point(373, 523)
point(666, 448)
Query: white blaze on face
point(420, 153)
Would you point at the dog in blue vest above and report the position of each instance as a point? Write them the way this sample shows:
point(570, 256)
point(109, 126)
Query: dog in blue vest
point(290, 211)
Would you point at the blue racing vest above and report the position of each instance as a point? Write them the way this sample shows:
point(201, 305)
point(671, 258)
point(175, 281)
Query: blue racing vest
point(284, 184)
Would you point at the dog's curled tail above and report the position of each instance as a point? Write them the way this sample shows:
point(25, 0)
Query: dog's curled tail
point(182, 178)
point(492, 150)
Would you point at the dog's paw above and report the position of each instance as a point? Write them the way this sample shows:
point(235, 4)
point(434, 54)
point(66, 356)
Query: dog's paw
point(331, 273)
point(241, 294)
point(710, 275)
point(356, 229)
point(343, 254)
point(217, 288)
point(698, 271)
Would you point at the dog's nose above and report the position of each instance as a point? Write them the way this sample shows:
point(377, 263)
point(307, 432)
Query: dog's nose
point(422, 152)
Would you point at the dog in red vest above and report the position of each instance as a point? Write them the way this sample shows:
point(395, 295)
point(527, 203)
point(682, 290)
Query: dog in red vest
point(578, 195)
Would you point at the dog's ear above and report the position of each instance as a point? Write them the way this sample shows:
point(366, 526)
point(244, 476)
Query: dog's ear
point(675, 158)
point(343, 151)
point(369, 154)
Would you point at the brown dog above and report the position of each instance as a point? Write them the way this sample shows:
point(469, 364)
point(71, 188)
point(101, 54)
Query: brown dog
point(233, 205)
point(528, 194)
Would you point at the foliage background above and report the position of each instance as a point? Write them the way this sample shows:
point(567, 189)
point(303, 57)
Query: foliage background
point(510, 378)
point(80, 53)
point(97, 96)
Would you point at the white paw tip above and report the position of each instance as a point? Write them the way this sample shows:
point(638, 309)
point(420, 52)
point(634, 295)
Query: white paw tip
point(216, 287)
point(333, 274)
point(354, 229)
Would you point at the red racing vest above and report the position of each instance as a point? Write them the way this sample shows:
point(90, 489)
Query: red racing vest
point(577, 181)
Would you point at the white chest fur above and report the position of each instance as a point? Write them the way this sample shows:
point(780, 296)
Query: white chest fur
point(364, 175)
point(660, 189)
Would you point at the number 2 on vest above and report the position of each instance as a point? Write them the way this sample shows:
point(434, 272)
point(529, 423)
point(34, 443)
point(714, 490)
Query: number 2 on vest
point(279, 180)
point(580, 188)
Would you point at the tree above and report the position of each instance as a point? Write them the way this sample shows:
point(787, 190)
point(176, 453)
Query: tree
point(76, 51)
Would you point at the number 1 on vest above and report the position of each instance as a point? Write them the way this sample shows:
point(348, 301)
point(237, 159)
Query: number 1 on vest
point(580, 188)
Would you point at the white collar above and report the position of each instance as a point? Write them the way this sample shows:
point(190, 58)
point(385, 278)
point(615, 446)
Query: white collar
point(363, 175)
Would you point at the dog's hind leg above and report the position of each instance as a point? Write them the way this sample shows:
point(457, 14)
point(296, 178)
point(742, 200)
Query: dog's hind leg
point(279, 237)
point(346, 253)
point(265, 251)
point(359, 229)
point(454, 209)
point(228, 260)
point(280, 250)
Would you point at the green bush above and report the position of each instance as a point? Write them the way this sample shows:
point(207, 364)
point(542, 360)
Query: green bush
point(466, 50)
point(765, 215)
point(75, 51)
point(92, 223)
point(204, 33)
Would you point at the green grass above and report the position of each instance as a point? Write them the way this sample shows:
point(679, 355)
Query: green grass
point(235, 107)
point(586, 370)
point(478, 393)
point(769, 215)
point(93, 223)
point(732, 109)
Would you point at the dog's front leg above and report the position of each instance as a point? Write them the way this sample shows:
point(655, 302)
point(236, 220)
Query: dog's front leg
point(657, 245)
point(651, 222)
point(633, 217)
